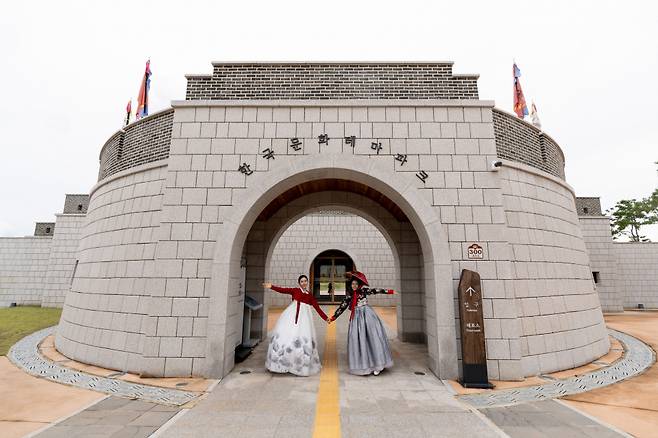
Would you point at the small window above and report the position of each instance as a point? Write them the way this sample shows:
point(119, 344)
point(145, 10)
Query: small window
point(595, 275)
point(75, 268)
point(585, 210)
point(79, 207)
point(47, 230)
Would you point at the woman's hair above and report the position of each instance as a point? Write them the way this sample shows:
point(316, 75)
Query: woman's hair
point(357, 280)
point(299, 279)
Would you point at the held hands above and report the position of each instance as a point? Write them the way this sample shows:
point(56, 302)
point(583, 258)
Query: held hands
point(267, 285)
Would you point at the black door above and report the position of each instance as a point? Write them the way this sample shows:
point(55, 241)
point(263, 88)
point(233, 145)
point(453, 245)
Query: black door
point(329, 281)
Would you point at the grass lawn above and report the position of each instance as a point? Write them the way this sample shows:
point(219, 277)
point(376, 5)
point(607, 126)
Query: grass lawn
point(18, 322)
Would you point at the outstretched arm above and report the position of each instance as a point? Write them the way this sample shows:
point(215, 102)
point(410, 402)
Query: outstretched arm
point(341, 308)
point(281, 290)
point(375, 290)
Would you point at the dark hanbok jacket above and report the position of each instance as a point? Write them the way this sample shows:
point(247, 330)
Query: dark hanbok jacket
point(353, 300)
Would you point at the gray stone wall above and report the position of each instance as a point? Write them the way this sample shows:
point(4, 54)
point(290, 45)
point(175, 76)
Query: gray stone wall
point(240, 81)
point(519, 141)
point(561, 322)
point(318, 232)
point(76, 204)
point(44, 229)
point(637, 270)
point(144, 141)
point(601, 249)
point(23, 267)
point(62, 258)
point(102, 322)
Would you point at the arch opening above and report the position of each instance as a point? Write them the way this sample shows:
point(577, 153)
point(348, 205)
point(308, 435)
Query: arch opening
point(420, 247)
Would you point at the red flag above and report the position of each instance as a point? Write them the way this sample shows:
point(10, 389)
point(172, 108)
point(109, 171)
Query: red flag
point(520, 107)
point(143, 96)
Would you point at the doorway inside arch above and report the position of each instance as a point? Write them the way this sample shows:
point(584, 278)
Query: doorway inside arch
point(328, 278)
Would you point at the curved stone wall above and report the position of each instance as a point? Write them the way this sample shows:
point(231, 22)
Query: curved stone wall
point(101, 322)
point(558, 307)
point(141, 142)
point(519, 141)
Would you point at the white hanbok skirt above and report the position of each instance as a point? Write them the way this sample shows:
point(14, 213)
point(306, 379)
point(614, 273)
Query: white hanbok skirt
point(293, 347)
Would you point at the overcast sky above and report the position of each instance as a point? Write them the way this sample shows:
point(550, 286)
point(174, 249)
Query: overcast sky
point(67, 70)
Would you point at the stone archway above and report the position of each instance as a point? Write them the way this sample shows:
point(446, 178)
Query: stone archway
point(400, 236)
point(224, 317)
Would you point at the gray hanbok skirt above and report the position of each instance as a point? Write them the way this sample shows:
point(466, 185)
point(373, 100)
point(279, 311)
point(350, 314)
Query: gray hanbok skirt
point(367, 344)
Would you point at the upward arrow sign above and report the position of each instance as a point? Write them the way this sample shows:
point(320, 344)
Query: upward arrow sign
point(470, 291)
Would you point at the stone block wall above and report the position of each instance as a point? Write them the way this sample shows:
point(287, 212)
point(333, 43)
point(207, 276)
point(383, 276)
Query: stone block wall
point(103, 318)
point(318, 232)
point(62, 258)
point(602, 256)
point(637, 271)
point(23, 267)
point(557, 305)
point(451, 145)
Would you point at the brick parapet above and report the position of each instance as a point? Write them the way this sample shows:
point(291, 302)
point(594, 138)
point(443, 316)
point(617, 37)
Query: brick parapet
point(76, 204)
point(357, 80)
point(141, 142)
point(520, 141)
point(588, 206)
point(44, 229)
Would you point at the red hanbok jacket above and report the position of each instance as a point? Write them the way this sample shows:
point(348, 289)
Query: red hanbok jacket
point(301, 297)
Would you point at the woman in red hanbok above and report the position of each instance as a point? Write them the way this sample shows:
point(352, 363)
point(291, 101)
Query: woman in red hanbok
point(293, 347)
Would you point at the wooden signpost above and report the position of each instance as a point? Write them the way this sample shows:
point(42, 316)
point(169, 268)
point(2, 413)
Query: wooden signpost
point(474, 353)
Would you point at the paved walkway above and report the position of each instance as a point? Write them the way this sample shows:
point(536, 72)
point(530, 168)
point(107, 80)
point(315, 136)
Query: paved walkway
point(546, 419)
point(407, 401)
point(397, 403)
point(113, 417)
point(28, 403)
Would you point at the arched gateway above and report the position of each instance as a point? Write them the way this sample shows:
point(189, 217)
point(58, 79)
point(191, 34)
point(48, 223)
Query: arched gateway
point(191, 202)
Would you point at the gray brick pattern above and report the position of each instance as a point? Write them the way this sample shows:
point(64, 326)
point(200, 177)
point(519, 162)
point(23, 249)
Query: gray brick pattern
point(144, 141)
point(331, 81)
point(522, 142)
point(141, 300)
point(102, 321)
point(602, 258)
point(557, 305)
point(588, 206)
point(44, 228)
point(62, 259)
point(76, 204)
point(23, 266)
point(326, 230)
point(638, 276)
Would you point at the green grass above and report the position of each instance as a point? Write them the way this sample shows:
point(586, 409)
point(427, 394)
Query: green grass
point(18, 322)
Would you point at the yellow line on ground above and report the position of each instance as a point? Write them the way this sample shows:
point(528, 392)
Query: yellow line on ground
point(327, 405)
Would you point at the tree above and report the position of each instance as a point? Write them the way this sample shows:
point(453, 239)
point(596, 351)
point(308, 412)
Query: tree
point(628, 215)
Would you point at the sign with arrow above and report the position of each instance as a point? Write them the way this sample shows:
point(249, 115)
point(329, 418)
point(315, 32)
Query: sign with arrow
point(474, 353)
